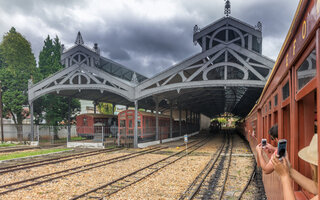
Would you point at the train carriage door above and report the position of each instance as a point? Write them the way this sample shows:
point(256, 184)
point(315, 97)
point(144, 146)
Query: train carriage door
point(140, 133)
point(305, 96)
point(286, 125)
point(122, 124)
point(130, 118)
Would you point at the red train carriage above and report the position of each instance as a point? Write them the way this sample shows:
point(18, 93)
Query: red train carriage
point(291, 97)
point(146, 124)
point(88, 124)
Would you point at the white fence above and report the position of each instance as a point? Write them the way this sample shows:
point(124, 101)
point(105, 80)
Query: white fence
point(11, 132)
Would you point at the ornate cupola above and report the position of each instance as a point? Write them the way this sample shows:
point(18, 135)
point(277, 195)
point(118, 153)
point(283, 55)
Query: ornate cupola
point(79, 53)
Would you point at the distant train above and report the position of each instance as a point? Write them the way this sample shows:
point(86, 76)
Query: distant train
point(88, 124)
point(215, 126)
point(146, 124)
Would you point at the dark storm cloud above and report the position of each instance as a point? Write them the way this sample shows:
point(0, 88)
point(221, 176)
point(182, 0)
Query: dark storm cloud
point(153, 45)
point(147, 45)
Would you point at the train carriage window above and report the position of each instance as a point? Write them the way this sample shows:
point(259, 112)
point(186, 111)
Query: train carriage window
point(122, 123)
point(266, 109)
point(139, 123)
point(307, 70)
point(269, 105)
point(85, 121)
point(285, 91)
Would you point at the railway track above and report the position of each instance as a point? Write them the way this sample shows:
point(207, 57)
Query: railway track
point(14, 186)
point(211, 181)
point(115, 186)
point(13, 149)
point(55, 160)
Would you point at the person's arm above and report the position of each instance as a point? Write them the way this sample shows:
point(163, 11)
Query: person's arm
point(283, 171)
point(272, 148)
point(315, 198)
point(266, 167)
point(304, 182)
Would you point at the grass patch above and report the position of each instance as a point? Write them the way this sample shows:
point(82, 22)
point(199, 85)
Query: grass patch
point(61, 140)
point(31, 153)
point(7, 145)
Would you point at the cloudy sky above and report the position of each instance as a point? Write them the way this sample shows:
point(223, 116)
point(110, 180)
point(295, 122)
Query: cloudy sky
point(147, 36)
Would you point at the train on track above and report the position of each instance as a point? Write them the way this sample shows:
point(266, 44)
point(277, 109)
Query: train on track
point(146, 124)
point(291, 97)
point(123, 123)
point(215, 126)
point(88, 124)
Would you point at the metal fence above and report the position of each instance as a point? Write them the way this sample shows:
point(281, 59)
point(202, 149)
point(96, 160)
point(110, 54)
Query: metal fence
point(92, 134)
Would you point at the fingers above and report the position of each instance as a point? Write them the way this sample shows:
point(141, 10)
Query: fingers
point(275, 160)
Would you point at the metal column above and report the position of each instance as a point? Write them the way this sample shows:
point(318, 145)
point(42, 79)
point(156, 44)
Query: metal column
point(135, 136)
point(187, 130)
point(113, 106)
point(171, 120)
point(157, 121)
point(1, 119)
point(180, 121)
point(69, 120)
point(31, 121)
point(95, 107)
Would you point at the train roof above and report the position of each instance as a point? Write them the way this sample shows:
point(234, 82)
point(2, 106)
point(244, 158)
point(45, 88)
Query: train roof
point(147, 113)
point(98, 115)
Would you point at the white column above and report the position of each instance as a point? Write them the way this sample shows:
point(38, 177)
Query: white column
point(171, 120)
point(135, 136)
point(95, 107)
point(69, 120)
point(31, 121)
point(179, 121)
point(157, 121)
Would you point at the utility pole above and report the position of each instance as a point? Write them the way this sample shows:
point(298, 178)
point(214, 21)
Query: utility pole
point(1, 120)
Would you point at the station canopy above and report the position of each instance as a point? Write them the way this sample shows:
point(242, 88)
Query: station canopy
point(228, 75)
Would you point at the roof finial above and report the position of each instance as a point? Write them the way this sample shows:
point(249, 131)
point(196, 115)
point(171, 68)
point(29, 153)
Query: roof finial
point(79, 39)
point(134, 79)
point(227, 8)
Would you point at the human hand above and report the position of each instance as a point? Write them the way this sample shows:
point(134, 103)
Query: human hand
point(259, 148)
point(281, 167)
point(287, 161)
point(270, 147)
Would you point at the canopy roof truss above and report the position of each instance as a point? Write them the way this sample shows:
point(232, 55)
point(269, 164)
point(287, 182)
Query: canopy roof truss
point(227, 76)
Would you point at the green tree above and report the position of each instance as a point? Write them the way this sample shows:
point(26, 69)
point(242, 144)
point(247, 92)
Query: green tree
point(52, 108)
point(17, 66)
point(105, 108)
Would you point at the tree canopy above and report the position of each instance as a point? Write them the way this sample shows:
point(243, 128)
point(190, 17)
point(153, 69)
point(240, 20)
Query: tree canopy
point(52, 108)
point(18, 64)
point(105, 108)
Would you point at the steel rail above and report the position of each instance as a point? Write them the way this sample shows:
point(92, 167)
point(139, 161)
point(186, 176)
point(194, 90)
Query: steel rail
point(37, 180)
point(38, 163)
point(28, 165)
point(203, 174)
point(227, 170)
point(6, 150)
point(248, 182)
point(253, 173)
point(155, 169)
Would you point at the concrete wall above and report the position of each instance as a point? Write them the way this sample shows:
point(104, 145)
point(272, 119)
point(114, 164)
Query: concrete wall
point(11, 133)
point(204, 122)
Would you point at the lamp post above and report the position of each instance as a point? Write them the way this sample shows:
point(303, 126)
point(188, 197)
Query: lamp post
point(1, 120)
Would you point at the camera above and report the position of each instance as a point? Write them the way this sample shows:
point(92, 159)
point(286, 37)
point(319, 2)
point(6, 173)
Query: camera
point(282, 147)
point(264, 143)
